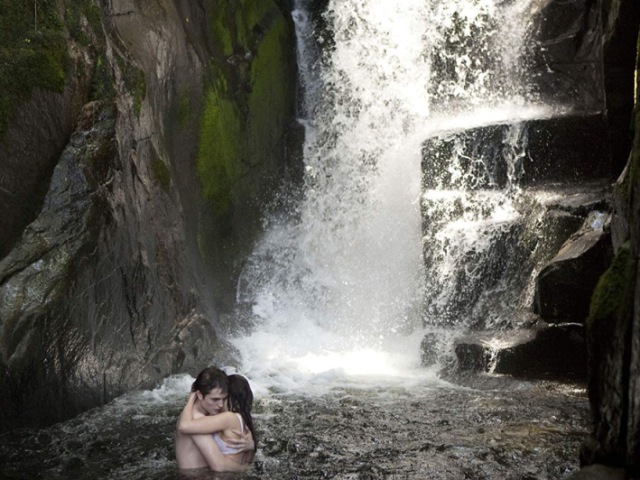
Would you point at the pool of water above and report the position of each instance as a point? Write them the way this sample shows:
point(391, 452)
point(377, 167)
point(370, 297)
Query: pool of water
point(476, 427)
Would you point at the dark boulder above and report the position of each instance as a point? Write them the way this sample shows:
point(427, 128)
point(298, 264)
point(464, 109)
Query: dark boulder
point(485, 154)
point(546, 350)
point(472, 355)
point(565, 285)
point(567, 54)
point(556, 350)
point(610, 329)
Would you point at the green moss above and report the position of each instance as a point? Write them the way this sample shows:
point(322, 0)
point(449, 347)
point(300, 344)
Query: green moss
point(219, 21)
point(80, 69)
point(33, 53)
point(139, 92)
point(102, 87)
point(134, 82)
point(270, 92)
point(609, 297)
point(250, 14)
point(74, 11)
point(184, 109)
point(219, 145)
point(161, 174)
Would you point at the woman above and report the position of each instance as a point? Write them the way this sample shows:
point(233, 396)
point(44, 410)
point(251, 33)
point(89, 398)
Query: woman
point(207, 412)
point(229, 422)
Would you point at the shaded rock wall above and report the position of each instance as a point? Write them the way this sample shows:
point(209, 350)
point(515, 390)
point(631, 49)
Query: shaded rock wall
point(613, 327)
point(121, 252)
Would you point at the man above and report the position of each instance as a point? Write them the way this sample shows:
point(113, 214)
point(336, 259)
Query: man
point(201, 451)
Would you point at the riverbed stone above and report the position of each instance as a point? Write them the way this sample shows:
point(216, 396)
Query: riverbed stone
point(559, 297)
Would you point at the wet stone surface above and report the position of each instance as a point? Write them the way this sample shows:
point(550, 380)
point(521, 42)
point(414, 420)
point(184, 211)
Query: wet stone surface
point(493, 428)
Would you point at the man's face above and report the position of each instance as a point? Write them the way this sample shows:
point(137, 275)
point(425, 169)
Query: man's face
point(213, 402)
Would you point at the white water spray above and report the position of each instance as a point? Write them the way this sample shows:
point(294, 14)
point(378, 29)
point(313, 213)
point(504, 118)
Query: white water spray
point(336, 289)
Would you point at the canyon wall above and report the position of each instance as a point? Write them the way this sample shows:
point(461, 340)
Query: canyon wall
point(139, 142)
point(613, 326)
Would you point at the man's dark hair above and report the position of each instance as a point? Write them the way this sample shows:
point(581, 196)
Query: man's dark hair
point(209, 379)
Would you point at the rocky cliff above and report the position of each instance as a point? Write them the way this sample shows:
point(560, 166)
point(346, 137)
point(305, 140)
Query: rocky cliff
point(613, 326)
point(139, 140)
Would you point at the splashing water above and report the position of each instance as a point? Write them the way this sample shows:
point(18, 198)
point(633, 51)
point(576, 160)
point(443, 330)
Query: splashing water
point(337, 288)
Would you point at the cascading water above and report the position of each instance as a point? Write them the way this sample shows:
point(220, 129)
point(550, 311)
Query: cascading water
point(339, 284)
point(414, 157)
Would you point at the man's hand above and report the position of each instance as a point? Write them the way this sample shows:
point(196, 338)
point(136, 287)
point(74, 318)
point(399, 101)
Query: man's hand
point(244, 443)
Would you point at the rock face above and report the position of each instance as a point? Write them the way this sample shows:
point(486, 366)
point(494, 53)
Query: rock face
point(620, 20)
point(568, 56)
point(545, 351)
point(559, 297)
point(574, 139)
point(613, 327)
point(114, 273)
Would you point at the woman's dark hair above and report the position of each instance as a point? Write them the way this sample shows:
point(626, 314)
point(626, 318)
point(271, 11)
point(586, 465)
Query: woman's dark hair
point(209, 379)
point(240, 400)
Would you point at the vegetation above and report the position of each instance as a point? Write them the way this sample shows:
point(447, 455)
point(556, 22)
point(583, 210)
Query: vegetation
point(246, 101)
point(33, 53)
point(161, 174)
point(220, 144)
point(614, 291)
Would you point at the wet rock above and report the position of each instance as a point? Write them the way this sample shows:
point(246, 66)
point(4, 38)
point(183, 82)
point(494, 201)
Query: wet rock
point(598, 472)
point(192, 338)
point(429, 349)
point(620, 20)
point(556, 350)
point(610, 330)
point(620, 229)
point(485, 154)
point(568, 55)
point(109, 286)
point(546, 350)
point(472, 354)
point(585, 256)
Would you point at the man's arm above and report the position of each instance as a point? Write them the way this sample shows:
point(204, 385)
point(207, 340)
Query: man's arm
point(216, 460)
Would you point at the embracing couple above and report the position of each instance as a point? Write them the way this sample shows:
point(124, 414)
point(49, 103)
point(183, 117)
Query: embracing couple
point(215, 429)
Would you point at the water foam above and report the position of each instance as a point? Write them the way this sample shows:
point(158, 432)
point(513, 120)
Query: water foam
point(336, 288)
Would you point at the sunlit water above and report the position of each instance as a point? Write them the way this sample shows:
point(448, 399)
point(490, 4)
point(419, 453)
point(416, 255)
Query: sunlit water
point(337, 288)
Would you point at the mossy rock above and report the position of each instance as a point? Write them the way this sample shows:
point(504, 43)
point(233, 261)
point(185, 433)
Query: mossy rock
point(33, 53)
point(161, 174)
point(610, 298)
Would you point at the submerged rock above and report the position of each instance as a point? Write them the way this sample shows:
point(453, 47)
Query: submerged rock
point(565, 285)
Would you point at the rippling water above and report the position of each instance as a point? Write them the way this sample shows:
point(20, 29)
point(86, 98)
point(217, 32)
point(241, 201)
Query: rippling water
point(492, 427)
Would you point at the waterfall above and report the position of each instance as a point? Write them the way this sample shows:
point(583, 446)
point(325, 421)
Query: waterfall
point(337, 286)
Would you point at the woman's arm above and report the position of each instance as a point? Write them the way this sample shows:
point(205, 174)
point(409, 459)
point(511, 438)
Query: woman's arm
point(199, 426)
point(216, 460)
